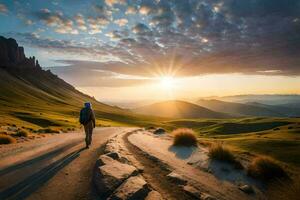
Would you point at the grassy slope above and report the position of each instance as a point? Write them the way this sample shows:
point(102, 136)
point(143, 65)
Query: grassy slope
point(179, 109)
point(38, 99)
point(275, 137)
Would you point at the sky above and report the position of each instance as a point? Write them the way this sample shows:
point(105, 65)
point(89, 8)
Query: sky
point(123, 50)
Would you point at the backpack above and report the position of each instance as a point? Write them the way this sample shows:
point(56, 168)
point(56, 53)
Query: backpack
point(84, 116)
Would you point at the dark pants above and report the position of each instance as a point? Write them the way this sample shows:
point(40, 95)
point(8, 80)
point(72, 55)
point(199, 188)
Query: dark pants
point(88, 128)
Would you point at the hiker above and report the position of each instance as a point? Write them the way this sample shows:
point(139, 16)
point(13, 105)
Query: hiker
point(87, 119)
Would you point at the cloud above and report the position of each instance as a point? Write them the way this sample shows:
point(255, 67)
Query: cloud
point(113, 2)
point(97, 23)
point(130, 10)
point(80, 22)
point(121, 22)
point(140, 28)
point(3, 8)
point(57, 20)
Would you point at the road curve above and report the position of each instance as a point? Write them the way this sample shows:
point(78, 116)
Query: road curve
point(58, 167)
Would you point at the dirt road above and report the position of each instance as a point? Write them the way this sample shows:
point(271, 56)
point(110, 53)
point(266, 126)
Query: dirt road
point(58, 167)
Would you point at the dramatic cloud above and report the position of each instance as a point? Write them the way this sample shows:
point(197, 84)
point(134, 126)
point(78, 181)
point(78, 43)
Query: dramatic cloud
point(178, 37)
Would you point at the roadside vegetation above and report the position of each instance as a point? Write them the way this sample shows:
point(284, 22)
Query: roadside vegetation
point(184, 137)
point(21, 133)
point(266, 168)
point(217, 151)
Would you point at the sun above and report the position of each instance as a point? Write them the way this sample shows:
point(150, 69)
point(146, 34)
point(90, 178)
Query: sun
point(167, 82)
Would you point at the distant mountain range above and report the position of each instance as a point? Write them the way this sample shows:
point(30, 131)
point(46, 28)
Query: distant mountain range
point(179, 109)
point(269, 99)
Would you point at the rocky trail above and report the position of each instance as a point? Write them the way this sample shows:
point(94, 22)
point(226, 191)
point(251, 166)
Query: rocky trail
point(122, 163)
point(152, 165)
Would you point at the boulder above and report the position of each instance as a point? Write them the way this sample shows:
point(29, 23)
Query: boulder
point(205, 196)
point(111, 175)
point(103, 160)
point(247, 189)
point(134, 188)
point(176, 178)
point(153, 195)
point(113, 155)
point(192, 191)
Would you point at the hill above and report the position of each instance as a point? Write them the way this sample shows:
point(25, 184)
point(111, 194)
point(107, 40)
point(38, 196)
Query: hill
point(179, 109)
point(35, 98)
point(239, 109)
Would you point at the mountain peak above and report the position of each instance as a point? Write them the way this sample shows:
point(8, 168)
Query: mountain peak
point(12, 55)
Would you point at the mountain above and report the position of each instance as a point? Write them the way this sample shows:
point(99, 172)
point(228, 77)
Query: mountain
point(287, 110)
point(240, 109)
point(33, 97)
point(269, 99)
point(179, 109)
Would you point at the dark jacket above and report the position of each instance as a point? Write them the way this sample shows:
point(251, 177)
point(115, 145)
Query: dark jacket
point(89, 114)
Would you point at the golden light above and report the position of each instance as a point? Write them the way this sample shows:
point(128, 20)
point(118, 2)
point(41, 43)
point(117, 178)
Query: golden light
point(167, 82)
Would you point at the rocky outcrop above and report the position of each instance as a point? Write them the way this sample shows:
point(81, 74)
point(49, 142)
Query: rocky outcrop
point(12, 55)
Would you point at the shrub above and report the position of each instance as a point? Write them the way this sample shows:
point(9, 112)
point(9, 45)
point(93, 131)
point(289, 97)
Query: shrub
point(21, 133)
point(266, 169)
point(47, 130)
point(159, 131)
point(218, 152)
point(184, 137)
point(6, 139)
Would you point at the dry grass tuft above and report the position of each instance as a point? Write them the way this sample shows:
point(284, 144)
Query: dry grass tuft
point(6, 139)
point(184, 137)
point(21, 133)
point(266, 169)
point(217, 151)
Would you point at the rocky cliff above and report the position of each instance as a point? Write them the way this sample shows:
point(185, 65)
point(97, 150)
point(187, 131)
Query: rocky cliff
point(12, 55)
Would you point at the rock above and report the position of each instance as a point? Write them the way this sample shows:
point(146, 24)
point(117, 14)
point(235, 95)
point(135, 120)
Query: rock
point(176, 178)
point(111, 175)
point(205, 196)
point(134, 188)
point(159, 131)
point(247, 189)
point(113, 155)
point(154, 195)
point(190, 190)
point(12, 55)
point(103, 160)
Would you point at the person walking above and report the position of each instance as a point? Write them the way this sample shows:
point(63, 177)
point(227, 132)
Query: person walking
point(87, 119)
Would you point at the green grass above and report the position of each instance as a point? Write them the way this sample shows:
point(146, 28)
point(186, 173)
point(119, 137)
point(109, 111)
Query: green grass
point(45, 101)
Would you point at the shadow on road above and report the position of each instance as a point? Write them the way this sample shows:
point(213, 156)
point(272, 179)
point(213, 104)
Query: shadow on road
point(48, 155)
point(24, 188)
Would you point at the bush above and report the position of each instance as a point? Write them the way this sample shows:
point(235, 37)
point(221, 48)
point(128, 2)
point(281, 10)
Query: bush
point(6, 139)
point(266, 169)
point(159, 131)
point(184, 137)
point(218, 152)
point(21, 133)
point(47, 130)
